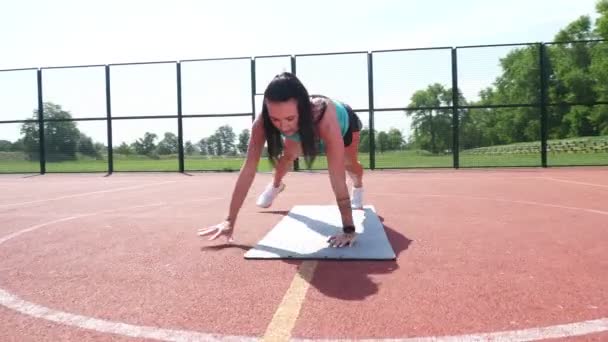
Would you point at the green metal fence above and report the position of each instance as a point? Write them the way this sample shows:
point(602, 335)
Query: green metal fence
point(515, 105)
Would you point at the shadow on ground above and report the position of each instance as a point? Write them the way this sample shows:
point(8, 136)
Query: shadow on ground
point(343, 279)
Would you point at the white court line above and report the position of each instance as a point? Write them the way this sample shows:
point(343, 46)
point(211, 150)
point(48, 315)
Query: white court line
point(83, 194)
point(594, 211)
point(15, 303)
point(38, 226)
point(119, 328)
point(601, 212)
point(26, 230)
point(418, 178)
point(575, 182)
point(104, 326)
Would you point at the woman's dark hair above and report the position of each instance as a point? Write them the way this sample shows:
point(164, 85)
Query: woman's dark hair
point(283, 87)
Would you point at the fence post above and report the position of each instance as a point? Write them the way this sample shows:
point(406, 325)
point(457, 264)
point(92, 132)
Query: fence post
point(296, 163)
point(41, 143)
point(370, 96)
point(253, 89)
point(543, 105)
point(455, 107)
point(180, 127)
point(109, 121)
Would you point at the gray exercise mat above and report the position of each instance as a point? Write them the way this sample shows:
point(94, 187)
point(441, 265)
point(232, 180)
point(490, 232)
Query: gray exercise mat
point(303, 234)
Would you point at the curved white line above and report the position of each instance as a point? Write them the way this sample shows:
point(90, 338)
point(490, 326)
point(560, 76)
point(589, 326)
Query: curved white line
point(594, 211)
point(29, 229)
point(13, 302)
point(575, 182)
point(38, 226)
point(82, 194)
point(137, 331)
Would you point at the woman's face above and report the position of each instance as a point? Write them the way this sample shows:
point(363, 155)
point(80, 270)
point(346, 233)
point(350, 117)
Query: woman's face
point(284, 115)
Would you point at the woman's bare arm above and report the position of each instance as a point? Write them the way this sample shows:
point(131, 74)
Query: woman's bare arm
point(248, 170)
point(243, 183)
point(329, 131)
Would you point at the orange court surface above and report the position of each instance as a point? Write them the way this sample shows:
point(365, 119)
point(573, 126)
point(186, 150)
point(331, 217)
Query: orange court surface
point(481, 255)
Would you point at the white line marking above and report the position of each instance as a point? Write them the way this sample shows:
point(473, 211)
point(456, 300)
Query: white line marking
point(594, 211)
point(83, 194)
point(575, 182)
point(14, 302)
point(137, 331)
point(100, 325)
point(13, 235)
point(38, 226)
point(601, 212)
point(417, 177)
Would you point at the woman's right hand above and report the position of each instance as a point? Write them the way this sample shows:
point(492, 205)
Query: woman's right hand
point(224, 228)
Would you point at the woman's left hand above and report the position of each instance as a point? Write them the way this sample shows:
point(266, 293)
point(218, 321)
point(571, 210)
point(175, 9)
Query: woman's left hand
point(342, 240)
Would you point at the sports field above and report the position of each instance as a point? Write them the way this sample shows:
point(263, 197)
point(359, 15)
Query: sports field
point(393, 159)
point(481, 255)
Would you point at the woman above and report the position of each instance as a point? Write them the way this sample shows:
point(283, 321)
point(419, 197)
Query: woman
point(293, 124)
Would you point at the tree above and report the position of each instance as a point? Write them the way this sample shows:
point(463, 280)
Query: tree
point(6, 146)
point(168, 145)
point(576, 73)
point(61, 137)
point(599, 68)
point(87, 147)
point(432, 127)
point(189, 148)
point(395, 139)
point(214, 145)
point(519, 84)
point(124, 149)
point(382, 142)
point(243, 141)
point(601, 23)
point(572, 81)
point(222, 142)
point(204, 147)
point(364, 140)
point(145, 145)
point(226, 137)
point(18, 146)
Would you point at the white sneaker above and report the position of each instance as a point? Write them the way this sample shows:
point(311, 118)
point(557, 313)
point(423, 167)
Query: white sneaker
point(269, 194)
point(356, 200)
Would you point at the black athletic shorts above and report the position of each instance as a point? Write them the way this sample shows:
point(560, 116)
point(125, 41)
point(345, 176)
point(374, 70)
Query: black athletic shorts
point(354, 126)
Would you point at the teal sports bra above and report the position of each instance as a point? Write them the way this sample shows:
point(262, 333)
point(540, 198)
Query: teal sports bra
point(343, 120)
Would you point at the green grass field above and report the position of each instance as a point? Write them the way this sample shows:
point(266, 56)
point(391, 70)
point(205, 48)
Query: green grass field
point(564, 152)
point(394, 159)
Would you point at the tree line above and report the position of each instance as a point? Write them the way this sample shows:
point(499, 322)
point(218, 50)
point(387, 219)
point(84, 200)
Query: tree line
point(64, 141)
point(221, 143)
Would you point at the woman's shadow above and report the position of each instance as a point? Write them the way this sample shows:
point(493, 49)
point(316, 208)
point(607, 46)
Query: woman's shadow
point(344, 279)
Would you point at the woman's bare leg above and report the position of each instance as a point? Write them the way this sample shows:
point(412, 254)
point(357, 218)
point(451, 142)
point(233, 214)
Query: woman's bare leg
point(290, 154)
point(355, 171)
point(352, 165)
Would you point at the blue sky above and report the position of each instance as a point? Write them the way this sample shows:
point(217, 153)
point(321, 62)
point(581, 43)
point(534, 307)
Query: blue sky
point(60, 33)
